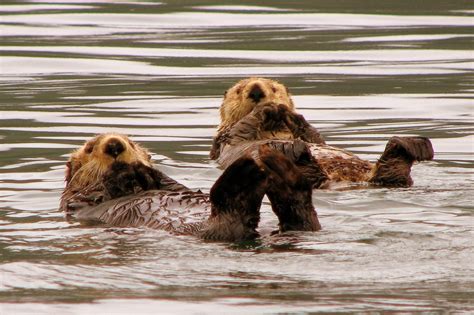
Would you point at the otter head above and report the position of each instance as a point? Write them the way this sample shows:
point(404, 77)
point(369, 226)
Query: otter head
point(246, 94)
point(88, 164)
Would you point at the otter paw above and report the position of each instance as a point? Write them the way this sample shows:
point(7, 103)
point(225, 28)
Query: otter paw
point(273, 116)
point(148, 177)
point(296, 123)
point(127, 179)
point(301, 129)
point(81, 200)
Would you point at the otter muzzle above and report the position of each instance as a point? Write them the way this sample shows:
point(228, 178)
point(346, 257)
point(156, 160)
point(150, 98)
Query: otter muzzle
point(256, 93)
point(114, 148)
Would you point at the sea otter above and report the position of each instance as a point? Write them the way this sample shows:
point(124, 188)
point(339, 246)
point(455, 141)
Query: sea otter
point(258, 111)
point(111, 180)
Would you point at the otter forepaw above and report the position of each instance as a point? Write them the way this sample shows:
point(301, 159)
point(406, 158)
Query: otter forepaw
point(127, 179)
point(297, 124)
point(301, 128)
point(80, 201)
point(273, 116)
point(148, 177)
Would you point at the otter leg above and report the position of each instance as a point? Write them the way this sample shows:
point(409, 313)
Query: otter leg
point(236, 198)
point(88, 197)
point(246, 129)
point(394, 166)
point(290, 193)
point(218, 143)
point(267, 117)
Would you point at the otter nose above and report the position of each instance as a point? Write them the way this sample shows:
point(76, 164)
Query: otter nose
point(114, 147)
point(256, 93)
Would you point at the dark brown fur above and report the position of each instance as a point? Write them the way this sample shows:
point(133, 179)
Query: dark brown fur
point(264, 123)
point(394, 166)
point(290, 193)
point(135, 194)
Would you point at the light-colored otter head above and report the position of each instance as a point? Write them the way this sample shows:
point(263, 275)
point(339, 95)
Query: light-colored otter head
point(88, 164)
point(246, 94)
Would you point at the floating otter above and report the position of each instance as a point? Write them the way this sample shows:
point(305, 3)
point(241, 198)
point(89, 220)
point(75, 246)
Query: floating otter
point(111, 180)
point(88, 165)
point(267, 116)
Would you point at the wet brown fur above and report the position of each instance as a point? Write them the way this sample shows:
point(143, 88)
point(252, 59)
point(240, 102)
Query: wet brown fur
point(290, 193)
point(247, 125)
point(123, 189)
point(237, 104)
point(88, 164)
point(241, 113)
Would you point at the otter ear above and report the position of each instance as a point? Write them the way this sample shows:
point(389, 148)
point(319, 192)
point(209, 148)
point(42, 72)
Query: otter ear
point(225, 93)
point(131, 143)
point(89, 147)
point(292, 105)
point(68, 174)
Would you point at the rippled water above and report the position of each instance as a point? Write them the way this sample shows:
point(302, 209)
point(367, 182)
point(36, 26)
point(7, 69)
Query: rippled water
point(157, 71)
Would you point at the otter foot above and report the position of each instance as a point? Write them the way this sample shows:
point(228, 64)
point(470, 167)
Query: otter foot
point(394, 166)
point(236, 198)
point(290, 193)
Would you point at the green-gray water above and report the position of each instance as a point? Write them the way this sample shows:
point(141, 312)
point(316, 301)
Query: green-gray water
point(361, 71)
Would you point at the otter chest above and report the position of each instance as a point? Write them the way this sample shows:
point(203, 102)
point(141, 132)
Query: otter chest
point(171, 211)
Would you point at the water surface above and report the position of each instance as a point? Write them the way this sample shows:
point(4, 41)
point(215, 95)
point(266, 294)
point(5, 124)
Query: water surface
point(157, 72)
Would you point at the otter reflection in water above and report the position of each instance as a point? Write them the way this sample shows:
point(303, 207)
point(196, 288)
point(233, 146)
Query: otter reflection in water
point(111, 180)
point(258, 111)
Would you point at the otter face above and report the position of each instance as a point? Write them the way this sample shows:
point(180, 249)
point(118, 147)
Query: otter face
point(89, 163)
point(246, 94)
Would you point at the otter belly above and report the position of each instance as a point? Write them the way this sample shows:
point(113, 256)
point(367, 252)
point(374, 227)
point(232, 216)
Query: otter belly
point(179, 212)
point(341, 165)
point(277, 135)
point(338, 164)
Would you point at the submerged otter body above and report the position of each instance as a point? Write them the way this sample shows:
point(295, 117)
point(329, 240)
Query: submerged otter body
point(127, 191)
point(277, 125)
